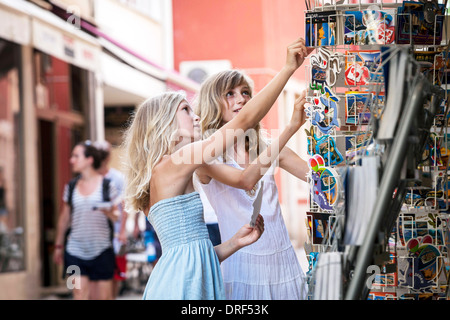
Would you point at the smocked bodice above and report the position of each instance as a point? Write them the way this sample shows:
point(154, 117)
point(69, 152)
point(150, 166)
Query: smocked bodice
point(179, 220)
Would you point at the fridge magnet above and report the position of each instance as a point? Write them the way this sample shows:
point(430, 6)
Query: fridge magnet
point(325, 67)
point(324, 183)
point(325, 146)
point(369, 27)
point(322, 111)
point(422, 267)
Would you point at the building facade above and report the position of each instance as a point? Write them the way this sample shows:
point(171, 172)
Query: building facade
point(70, 70)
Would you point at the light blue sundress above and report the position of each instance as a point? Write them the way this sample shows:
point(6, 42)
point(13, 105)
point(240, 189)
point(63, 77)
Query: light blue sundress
point(188, 268)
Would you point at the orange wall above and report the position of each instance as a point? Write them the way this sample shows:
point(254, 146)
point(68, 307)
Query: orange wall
point(283, 23)
point(250, 33)
point(213, 29)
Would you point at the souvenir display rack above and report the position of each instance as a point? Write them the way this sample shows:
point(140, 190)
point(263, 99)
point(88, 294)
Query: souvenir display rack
point(378, 216)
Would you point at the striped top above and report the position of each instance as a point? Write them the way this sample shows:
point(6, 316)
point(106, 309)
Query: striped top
point(90, 233)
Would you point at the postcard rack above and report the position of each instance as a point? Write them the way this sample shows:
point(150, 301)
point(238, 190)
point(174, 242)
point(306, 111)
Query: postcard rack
point(378, 218)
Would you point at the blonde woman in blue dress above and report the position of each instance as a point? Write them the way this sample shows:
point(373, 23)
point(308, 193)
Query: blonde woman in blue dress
point(268, 269)
point(162, 154)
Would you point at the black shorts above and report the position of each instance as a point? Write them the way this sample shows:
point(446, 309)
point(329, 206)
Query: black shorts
point(100, 268)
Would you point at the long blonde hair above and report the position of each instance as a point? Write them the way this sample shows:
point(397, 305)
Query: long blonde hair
point(210, 101)
point(149, 137)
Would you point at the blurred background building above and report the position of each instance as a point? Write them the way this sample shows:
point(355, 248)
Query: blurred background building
point(72, 70)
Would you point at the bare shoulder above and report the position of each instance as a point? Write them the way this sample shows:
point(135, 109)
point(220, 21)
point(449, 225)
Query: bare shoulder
point(163, 170)
point(169, 179)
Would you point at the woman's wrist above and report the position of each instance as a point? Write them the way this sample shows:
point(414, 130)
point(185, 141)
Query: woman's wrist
point(289, 69)
point(234, 244)
point(292, 127)
point(59, 246)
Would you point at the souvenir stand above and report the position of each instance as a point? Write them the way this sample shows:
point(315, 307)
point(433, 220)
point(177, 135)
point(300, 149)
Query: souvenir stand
point(378, 217)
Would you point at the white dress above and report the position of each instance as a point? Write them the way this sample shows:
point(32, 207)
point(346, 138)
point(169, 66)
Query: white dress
point(268, 269)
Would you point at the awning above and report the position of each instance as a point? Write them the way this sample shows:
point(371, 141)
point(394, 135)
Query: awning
point(128, 79)
point(172, 78)
point(14, 26)
point(133, 60)
point(124, 85)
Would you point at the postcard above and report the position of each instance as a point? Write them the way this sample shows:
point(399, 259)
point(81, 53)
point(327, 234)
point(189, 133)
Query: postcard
point(361, 67)
point(417, 26)
point(369, 27)
point(321, 29)
point(357, 107)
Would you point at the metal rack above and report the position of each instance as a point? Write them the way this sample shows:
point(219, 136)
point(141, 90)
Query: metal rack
point(398, 156)
point(386, 208)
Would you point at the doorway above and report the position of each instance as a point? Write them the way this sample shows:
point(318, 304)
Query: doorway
point(47, 200)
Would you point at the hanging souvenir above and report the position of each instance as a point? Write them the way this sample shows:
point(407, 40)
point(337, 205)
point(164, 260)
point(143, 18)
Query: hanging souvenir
point(422, 268)
point(323, 111)
point(325, 67)
point(324, 183)
point(325, 146)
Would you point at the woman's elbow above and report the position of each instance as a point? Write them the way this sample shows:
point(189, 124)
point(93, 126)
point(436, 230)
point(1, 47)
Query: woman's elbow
point(244, 122)
point(246, 184)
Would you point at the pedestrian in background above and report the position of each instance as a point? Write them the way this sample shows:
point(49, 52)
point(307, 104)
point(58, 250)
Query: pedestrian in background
point(120, 232)
point(88, 254)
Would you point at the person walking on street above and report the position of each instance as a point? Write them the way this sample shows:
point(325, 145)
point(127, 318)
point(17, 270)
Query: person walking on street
point(88, 253)
point(120, 232)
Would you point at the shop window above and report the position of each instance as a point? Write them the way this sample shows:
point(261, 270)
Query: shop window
point(11, 215)
point(52, 83)
point(60, 86)
point(79, 89)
